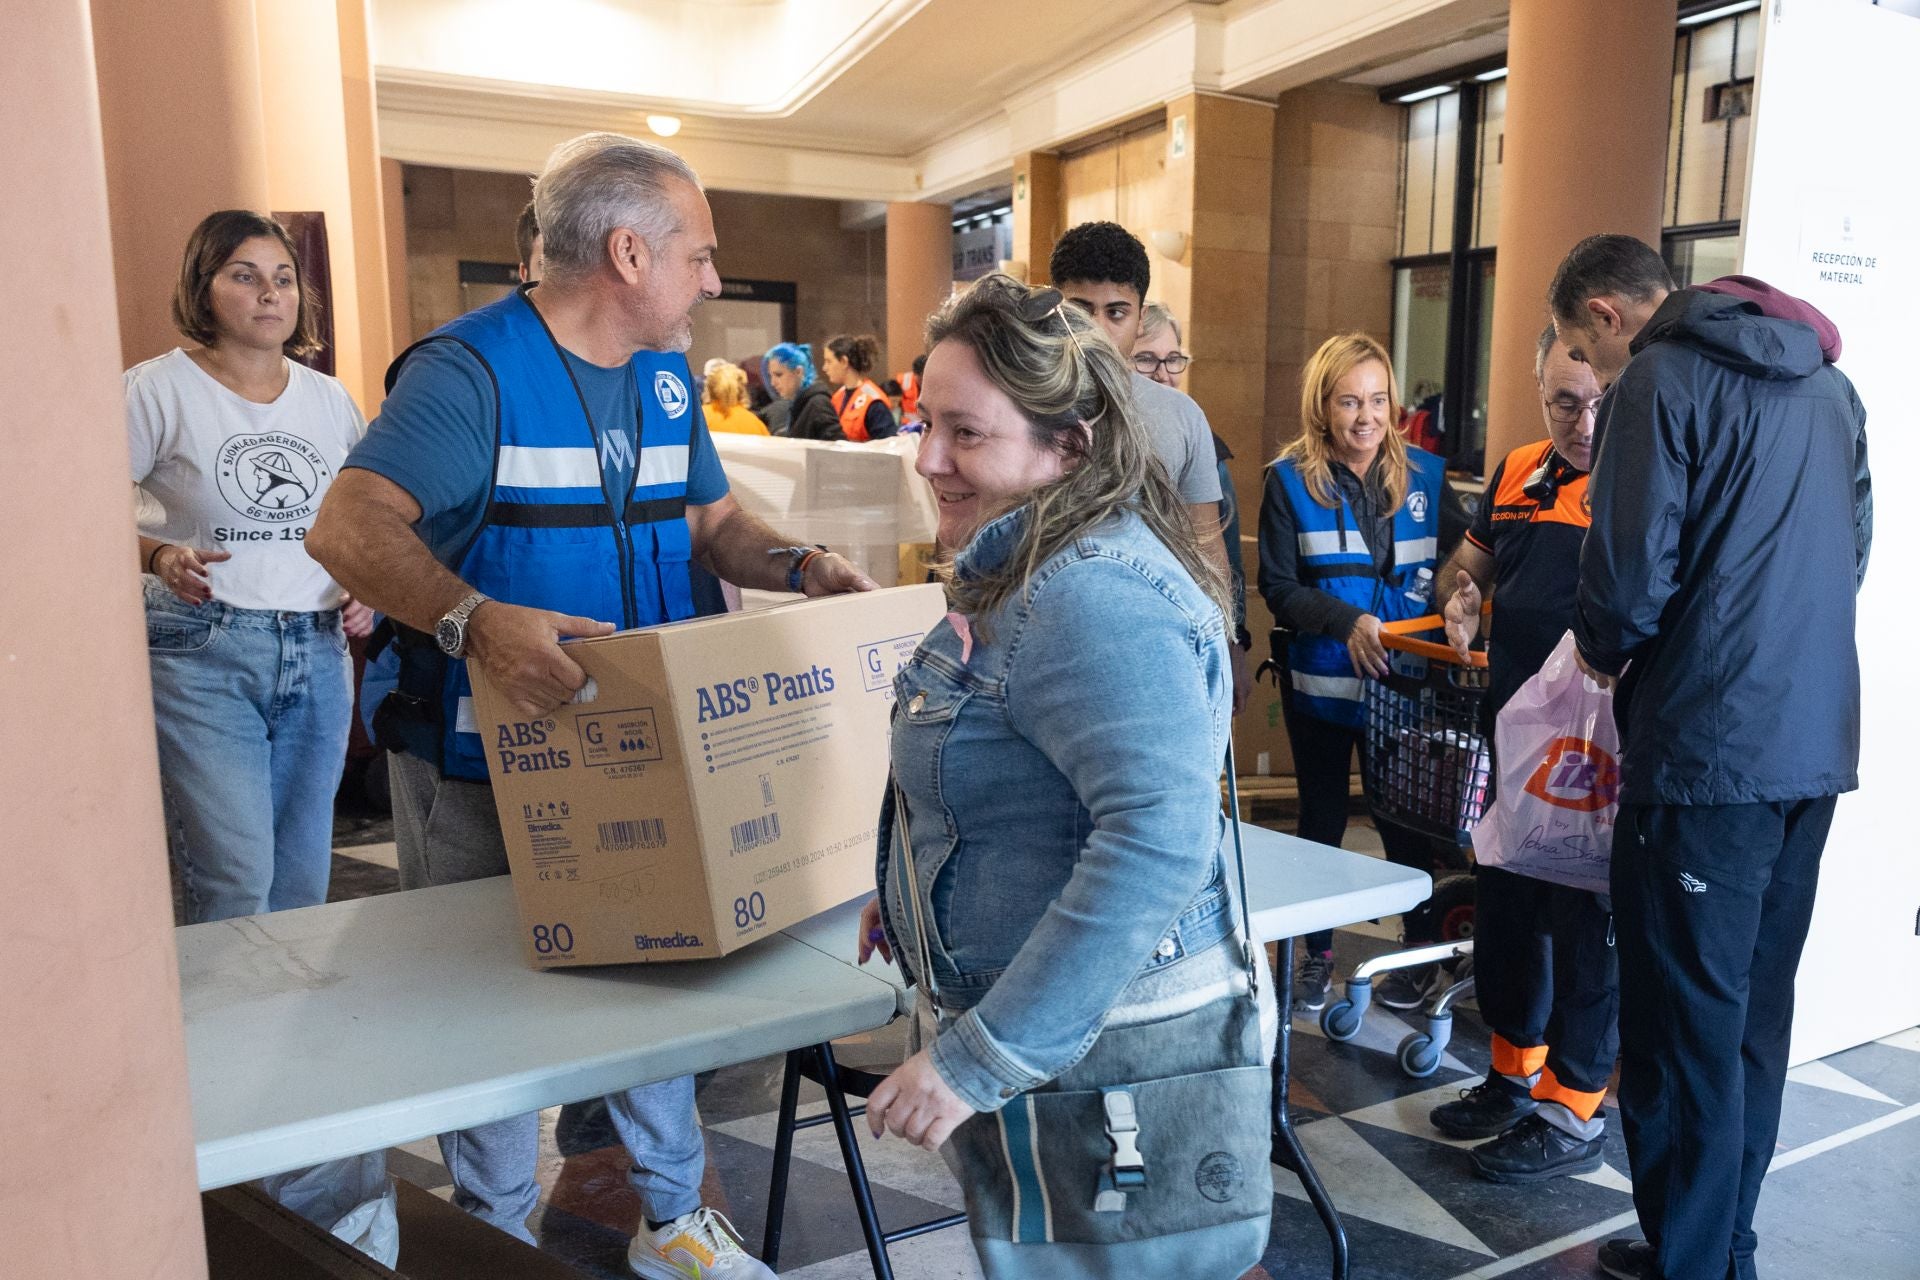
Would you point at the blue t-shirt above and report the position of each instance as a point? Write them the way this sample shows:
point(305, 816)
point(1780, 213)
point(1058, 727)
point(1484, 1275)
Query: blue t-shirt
point(434, 438)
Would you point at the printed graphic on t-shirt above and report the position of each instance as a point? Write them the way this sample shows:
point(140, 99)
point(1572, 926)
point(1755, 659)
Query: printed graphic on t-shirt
point(616, 453)
point(272, 477)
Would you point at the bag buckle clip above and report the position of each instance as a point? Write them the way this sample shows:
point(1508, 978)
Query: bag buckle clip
point(1127, 1170)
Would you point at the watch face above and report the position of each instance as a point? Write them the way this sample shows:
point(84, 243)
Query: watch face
point(448, 634)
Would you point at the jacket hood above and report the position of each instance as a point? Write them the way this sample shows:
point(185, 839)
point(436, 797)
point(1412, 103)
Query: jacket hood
point(1781, 306)
point(1734, 333)
point(808, 392)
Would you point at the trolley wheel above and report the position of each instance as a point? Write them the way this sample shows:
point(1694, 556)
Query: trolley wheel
point(1419, 1057)
point(1340, 1021)
point(1451, 908)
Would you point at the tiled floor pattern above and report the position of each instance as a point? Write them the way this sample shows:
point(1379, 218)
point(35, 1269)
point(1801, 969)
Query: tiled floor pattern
point(1840, 1200)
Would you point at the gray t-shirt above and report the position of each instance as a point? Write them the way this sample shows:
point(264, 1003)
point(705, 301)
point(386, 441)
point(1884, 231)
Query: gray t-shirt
point(1181, 438)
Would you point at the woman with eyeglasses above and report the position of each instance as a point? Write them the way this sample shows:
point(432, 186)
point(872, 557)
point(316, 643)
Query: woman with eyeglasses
point(1354, 523)
point(1052, 871)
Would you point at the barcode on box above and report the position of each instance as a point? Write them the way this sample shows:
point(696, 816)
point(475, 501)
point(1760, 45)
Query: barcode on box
point(639, 833)
point(755, 832)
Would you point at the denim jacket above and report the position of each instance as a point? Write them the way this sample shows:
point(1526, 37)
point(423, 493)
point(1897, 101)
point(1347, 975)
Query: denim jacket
point(1061, 778)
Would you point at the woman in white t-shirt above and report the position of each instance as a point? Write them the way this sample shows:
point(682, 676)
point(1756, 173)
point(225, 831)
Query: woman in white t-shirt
point(233, 446)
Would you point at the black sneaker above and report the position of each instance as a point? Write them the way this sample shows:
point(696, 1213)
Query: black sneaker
point(1626, 1259)
point(1535, 1151)
point(1311, 983)
point(1487, 1110)
point(1409, 988)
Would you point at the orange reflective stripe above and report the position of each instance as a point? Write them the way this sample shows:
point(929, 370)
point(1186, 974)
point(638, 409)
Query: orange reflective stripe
point(1520, 464)
point(1549, 1089)
point(1510, 501)
point(1510, 1059)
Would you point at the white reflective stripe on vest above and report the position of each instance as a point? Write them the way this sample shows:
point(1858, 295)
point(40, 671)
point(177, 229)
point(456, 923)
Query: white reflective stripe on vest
point(464, 721)
point(1328, 542)
point(661, 464)
point(1348, 688)
point(1414, 550)
point(529, 467)
point(578, 466)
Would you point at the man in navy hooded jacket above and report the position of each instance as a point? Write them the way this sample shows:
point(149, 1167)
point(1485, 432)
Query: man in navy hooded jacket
point(1732, 514)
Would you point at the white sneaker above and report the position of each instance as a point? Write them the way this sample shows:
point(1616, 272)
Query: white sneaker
point(701, 1245)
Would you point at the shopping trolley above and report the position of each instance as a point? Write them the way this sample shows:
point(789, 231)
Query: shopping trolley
point(1429, 765)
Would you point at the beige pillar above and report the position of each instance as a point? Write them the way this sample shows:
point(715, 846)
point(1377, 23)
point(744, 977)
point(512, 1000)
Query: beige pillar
point(304, 107)
point(1221, 199)
point(1036, 211)
point(1578, 182)
point(184, 133)
point(99, 1140)
point(393, 213)
point(378, 341)
point(1336, 174)
point(919, 275)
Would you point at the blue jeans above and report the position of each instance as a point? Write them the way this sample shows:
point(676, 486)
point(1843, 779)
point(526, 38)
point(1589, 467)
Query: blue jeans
point(251, 708)
point(447, 831)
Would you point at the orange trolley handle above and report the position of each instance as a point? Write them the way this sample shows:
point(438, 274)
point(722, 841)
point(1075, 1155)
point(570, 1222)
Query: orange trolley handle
point(1399, 635)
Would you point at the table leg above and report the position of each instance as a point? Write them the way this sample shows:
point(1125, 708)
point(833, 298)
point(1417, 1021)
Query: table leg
point(782, 1161)
point(1287, 1151)
point(856, 1168)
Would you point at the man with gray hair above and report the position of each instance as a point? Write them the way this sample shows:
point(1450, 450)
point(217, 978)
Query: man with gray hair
point(1543, 953)
point(541, 470)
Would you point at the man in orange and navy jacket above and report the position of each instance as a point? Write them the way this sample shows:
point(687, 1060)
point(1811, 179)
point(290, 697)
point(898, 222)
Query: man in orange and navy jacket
point(1544, 960)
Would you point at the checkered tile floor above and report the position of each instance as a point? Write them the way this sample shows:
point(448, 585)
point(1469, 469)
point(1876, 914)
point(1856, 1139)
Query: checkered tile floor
point(1838, 1202)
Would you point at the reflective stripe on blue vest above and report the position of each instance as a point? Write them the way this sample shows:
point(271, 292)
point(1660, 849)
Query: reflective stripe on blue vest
point(1335, 558)
point(552, 538)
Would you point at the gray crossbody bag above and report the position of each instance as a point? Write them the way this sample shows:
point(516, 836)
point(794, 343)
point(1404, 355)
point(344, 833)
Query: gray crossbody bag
point(1150, 1156)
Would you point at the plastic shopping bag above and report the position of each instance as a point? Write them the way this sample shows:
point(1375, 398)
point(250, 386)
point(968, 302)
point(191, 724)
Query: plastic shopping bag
point(1557, 794)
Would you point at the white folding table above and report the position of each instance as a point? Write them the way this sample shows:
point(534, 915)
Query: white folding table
point(332, 1030)
point(327, 1031)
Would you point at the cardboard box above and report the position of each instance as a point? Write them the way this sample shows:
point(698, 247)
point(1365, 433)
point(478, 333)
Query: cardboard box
point(716, 781)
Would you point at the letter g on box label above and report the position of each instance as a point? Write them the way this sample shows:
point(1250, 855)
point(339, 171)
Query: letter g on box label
point(618, 737)
point(881, 660)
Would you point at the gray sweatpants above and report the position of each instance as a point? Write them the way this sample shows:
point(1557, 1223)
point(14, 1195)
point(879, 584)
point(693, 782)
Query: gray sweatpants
point(447, 831)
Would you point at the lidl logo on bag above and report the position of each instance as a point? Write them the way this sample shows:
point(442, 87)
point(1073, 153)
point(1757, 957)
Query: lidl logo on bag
point(1576, 774)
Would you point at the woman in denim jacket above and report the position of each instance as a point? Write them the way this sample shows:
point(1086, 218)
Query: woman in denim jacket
point(1057, 745)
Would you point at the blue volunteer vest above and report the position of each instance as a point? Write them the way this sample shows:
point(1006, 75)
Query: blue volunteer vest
point(1335, 558)
point(550, 538)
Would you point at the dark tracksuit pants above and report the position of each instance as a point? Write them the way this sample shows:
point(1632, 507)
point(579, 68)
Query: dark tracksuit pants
point(1322, 764)
point(1548, 981)
point(1711, 906)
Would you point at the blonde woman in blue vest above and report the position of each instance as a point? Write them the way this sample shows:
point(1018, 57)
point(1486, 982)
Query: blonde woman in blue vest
point(1353, 524)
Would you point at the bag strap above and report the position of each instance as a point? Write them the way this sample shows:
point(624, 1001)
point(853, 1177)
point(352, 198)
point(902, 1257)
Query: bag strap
point(903, 833)
point(1230, 802)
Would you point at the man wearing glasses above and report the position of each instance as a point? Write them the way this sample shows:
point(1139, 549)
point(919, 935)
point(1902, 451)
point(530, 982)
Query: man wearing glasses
point(1543, 953)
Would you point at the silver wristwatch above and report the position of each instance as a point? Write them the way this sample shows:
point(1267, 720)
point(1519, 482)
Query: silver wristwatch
point(450, 633)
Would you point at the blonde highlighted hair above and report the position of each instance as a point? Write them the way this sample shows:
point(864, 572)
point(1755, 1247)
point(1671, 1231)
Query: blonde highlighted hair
point(726, 385)
point(1075, 391)
point(1313, 453)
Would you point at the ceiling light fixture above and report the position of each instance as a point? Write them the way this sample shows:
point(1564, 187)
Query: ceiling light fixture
point(1419, 95)
point(664, 126)
point(1724, 11)
point(1488, 77)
